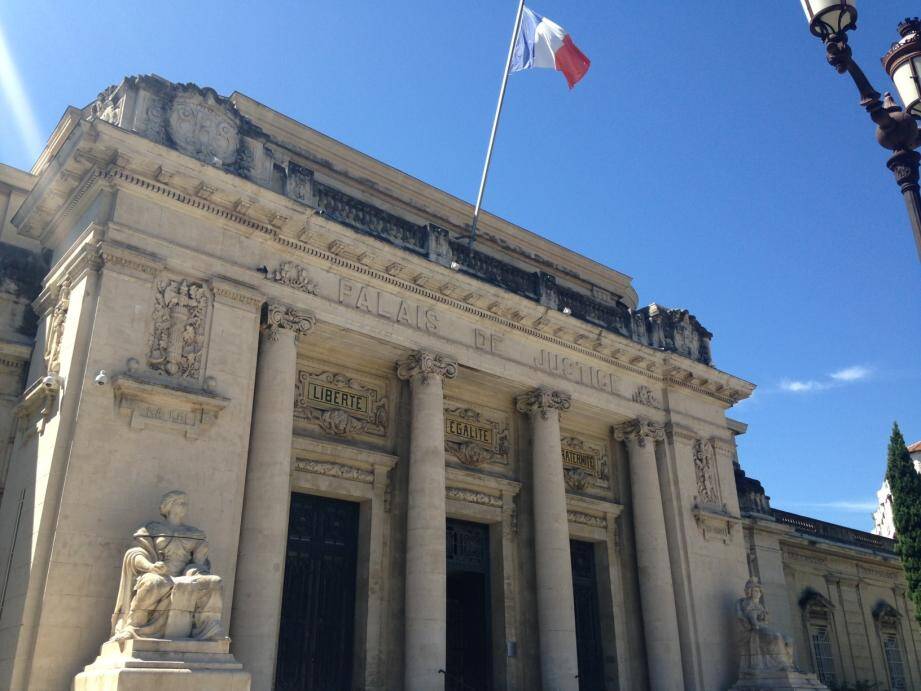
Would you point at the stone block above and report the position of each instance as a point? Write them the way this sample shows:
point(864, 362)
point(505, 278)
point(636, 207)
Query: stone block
point(144, 664)
point(779, 681)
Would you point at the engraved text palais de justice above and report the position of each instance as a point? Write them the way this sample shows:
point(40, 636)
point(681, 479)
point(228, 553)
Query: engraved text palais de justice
point(399, 311)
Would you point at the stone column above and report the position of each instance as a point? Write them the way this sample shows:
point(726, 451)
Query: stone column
point(657, 592)
point(426, 557)
point(556, 613)
point(267, 497)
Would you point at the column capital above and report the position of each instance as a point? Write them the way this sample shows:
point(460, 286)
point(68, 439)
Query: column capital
point(277, 317)
point(425, 364)
point(542, 400)
point(639, 430)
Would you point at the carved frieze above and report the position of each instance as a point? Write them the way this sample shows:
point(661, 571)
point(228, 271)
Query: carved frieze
point(294, 276)
point(338, 470)
point(587, 519)
point(340, 405)
point(180, 322)
point(474, 439)
point(708, 489)
point(716, 525)
point(584, 464)
point(203, 128)
point(55, 330)
point(473, 497)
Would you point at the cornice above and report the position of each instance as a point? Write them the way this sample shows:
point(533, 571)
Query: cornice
point(621, 353)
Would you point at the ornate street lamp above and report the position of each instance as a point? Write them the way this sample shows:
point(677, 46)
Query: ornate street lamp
point(896, 129)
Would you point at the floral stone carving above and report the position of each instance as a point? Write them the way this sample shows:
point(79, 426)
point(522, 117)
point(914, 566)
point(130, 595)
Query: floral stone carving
point(340, 405)
point(167, 589)
point(474, 440)
point(181, 310)
point(584, 464)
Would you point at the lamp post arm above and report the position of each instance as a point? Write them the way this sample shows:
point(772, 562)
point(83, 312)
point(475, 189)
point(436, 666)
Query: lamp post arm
point(839, 56)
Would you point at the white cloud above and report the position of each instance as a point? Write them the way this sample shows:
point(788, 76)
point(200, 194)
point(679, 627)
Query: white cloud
point(798, 386)
point(841, 377)
point(855, 373)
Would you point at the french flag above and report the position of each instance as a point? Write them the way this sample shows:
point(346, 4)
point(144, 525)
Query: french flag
point(542, 43)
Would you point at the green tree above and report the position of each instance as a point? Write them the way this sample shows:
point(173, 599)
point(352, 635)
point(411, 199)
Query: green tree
point(905, 485)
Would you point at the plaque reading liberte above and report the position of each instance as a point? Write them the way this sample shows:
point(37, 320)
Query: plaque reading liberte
point(459, 429)
point(580, 459)
point(322, 392)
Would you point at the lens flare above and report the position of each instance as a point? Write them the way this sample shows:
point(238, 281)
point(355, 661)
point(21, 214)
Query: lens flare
point(15, 96)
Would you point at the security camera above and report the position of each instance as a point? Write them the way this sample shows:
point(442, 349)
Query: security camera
point(102, 378)
point(50, 382)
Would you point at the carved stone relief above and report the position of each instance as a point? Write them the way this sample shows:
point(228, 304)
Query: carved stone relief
point(299, 184)
point(294, 276)
point(340, 405)
point(55, 330)
point(181, 310)
point(202, 128)
point(708, 490)
point(587, 519)
point(473, 497)
point(585, 465)
point(646, 396)
point(329, 469)
point(473, 439)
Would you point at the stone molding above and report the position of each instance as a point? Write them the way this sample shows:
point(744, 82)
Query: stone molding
point(423, 365)
point(639, 431)
point(716, 525)
point(177, 408)
point(543, 401)
point(231, 292)
point(474, 497)
point(330, 469)
point(281, 317)
point(587, 519)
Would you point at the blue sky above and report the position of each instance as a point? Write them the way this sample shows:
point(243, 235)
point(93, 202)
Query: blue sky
point(710, 153)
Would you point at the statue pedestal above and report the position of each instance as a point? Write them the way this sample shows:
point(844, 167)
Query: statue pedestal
point(152, 664)
point(778, 681)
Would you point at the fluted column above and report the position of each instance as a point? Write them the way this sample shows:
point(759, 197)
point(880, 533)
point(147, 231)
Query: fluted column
point(657, 591)
point(426, 558)
point(556, 613)
point(267, 496)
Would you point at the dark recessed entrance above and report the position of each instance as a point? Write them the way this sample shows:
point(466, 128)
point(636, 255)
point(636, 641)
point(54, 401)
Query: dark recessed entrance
point(318, 605)
point(469, 664)
point(588, 626)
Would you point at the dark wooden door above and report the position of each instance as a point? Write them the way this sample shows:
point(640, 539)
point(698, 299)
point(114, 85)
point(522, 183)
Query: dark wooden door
point(469, 648)
point(318, 605)
point(588, 625)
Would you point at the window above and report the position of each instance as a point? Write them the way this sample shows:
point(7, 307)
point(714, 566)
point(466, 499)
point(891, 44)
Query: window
point(818, 622)
point(823, 655)
point(887, 623)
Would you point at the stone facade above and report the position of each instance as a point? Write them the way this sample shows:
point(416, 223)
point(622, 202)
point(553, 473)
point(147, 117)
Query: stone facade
point(205, 294)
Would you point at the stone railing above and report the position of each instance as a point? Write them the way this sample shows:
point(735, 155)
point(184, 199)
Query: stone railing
point(834, 533)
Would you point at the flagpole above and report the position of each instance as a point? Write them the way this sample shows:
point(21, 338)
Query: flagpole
point(495, 122)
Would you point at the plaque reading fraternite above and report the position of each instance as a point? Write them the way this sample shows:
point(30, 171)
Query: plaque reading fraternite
point(584, 464)
point(340, 405)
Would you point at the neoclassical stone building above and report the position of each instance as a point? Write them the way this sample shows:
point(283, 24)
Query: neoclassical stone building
point(419, 463)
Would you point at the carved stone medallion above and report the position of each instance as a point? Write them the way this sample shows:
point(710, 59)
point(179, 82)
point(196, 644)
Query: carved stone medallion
point(340, 405)
point(646, 396)
point(181, 309)
point(294, 276)
point(201, 127)
point(473, 439)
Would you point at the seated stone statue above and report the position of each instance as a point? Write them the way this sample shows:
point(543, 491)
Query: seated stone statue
point(166, 589)
point(763, 649)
